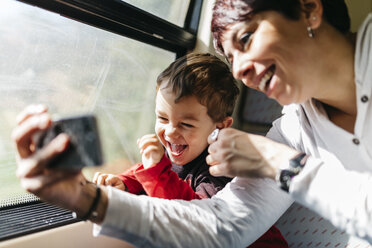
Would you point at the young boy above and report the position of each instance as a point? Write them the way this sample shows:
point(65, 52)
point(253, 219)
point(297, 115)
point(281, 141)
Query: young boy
point(196, 94)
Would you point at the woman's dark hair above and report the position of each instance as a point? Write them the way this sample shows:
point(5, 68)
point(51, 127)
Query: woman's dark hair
point(226, 12)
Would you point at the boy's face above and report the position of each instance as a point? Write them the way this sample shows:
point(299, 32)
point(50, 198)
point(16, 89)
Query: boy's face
point(182, 127)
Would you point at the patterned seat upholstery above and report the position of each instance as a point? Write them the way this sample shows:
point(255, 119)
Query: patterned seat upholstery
point(304, 228)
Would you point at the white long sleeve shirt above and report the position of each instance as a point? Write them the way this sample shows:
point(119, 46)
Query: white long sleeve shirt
point(336, 183)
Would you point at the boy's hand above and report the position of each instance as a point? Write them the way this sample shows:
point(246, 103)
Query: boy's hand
point(151, 149)
point(108, 180)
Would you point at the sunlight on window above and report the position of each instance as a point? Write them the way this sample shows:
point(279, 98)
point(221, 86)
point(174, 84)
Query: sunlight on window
point(173, 11)
point(74, 68)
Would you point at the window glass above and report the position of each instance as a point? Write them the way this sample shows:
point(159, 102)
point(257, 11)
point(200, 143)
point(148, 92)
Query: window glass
point(74, 68)
point(173, 11)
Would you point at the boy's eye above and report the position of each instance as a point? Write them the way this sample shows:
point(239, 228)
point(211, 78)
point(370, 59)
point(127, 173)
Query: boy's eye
point(187, 125)
point(162, 118)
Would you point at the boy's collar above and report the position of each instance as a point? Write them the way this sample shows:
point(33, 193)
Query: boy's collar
point(195, 161)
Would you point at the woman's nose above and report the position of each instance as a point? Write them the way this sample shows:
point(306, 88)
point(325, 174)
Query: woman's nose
point(242, 68)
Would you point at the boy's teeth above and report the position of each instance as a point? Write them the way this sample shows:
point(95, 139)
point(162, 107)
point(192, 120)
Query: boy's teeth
point(177, 148)
point(264, 79)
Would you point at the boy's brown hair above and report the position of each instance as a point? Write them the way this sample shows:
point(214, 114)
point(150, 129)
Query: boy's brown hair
point(207, 78)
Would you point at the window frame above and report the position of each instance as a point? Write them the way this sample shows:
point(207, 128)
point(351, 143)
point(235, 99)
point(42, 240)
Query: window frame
point(123, 19)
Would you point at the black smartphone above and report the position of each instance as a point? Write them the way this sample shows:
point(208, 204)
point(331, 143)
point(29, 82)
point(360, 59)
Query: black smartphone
point(84, 147)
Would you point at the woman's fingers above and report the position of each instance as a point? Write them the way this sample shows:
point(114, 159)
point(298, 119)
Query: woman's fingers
point(37, 162)
point(216, 171)
point(216, 168)
point(213, 136)
point(22, 134)
point(210, 160)
point(37, 183)
point(30, 111)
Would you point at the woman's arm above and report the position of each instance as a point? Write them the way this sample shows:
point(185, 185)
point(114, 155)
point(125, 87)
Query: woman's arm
point(340, 195)
point(235, 217)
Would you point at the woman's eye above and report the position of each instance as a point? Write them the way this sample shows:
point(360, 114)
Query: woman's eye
point(245, 38)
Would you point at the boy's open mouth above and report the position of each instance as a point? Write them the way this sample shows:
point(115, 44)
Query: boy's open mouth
point(265, 80)
point(176, 149)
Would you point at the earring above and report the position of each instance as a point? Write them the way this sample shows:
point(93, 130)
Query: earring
point(310, 32)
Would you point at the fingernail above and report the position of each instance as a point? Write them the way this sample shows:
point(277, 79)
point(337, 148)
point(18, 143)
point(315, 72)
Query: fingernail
point(214, 135)
point(40, 108)
point(212, 170)
point(43, 121)
point(61, 142)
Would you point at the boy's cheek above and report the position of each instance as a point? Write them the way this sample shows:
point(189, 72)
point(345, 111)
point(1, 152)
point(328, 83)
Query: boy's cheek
point(161, 140)
point(158, 130)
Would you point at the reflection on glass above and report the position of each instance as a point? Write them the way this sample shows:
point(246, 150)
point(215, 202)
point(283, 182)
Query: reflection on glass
point(173, 11)
point(74, 68)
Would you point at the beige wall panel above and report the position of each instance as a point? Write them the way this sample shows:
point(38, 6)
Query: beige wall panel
point(358, 10)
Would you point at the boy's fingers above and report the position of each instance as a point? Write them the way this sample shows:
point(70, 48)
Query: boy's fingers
point(145, 142)
point(151, 149)
point(146, 136)
point(101, 179)
point(111, 180)
point(96, 175)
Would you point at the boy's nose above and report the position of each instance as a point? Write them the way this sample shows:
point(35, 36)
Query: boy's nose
point(170, 131)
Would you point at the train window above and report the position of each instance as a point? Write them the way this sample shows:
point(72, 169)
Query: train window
point(76, 68)
point(172, 11)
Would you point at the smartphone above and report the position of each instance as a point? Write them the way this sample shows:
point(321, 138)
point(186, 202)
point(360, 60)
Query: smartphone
point(84, 148)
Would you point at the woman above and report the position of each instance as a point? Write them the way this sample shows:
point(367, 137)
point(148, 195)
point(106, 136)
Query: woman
point(305, 59)
point(295, 52)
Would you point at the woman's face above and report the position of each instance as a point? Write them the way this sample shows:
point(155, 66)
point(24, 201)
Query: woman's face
point(270, 53)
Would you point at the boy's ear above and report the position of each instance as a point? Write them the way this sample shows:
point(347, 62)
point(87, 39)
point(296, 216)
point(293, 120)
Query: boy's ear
point(227, 122)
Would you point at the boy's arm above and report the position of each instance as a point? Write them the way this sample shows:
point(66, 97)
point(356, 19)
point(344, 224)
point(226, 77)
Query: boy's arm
point(129, 179)
point(160, 181)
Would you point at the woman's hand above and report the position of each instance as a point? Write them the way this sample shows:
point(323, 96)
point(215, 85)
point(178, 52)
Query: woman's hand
point(236, 153)
point(151, 149)
point(67, 189)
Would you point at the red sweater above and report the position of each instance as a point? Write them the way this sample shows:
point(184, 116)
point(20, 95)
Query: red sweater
point(192, 181)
